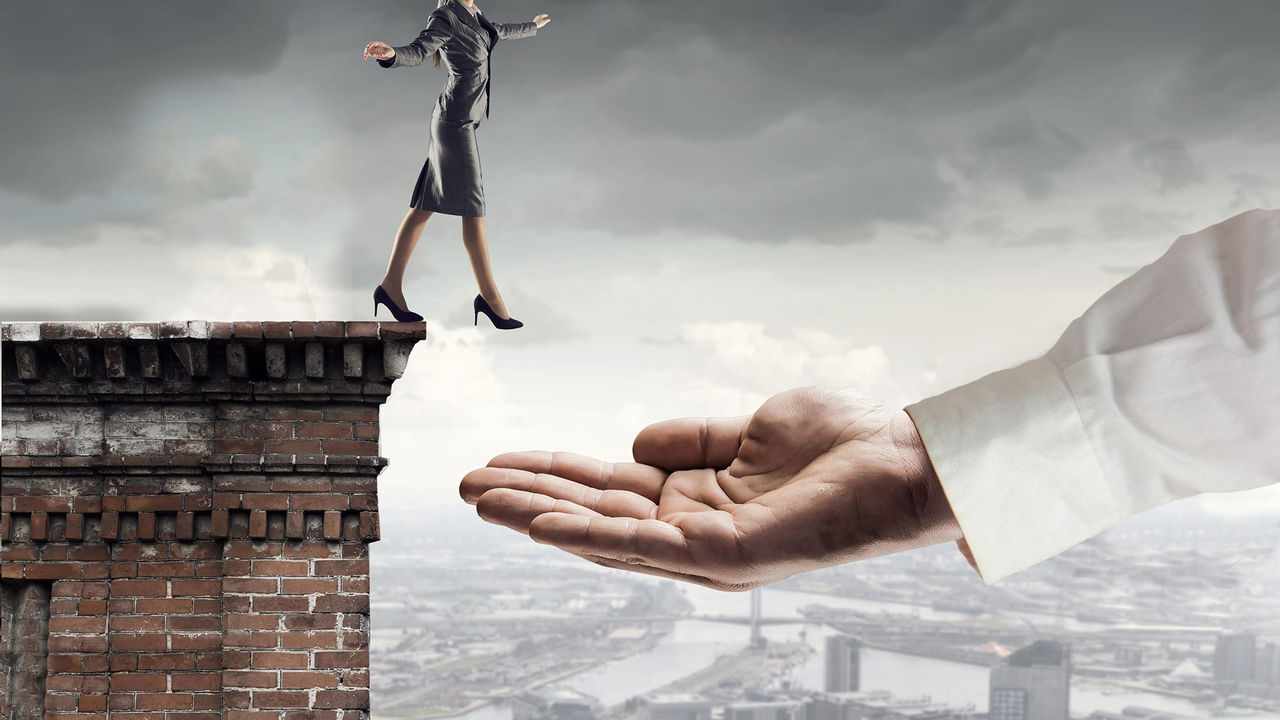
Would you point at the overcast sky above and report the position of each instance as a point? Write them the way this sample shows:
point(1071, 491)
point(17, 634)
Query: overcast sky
point(692, 205)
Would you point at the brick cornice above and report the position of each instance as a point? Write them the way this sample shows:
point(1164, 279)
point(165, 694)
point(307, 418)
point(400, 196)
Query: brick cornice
point(196, 361)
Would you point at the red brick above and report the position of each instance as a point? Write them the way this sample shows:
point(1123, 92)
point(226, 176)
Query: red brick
point(167, 661)
point(167, 569)
point(39, 525)
point(154, 503)
point(283, 660)
point(250, 586)
point(137, 623)
point(332, 527)
point(320, 501)
point(308, 679)
point(221, 524)
point(53, 571)
point(110, 527)
point(92, 607)
point(185, 528)
point(271, 604)
point(281, 699)
point(350, 447)
point(342, 659)
point(314, 621)
point(248, 679)
point(251, 622)
point(139, 682)
point(165, 606)
point(265, 501)
point(331, 568)
point(333, 430)
point(308, 586)
point(41, 504)
point(292, 568)
point(301, 484)
point(167, 701)
point(342, 699)
point(141, 642)
point(201, 641)
point(139, 588)
point(146, 526)
point(258, 524)
point(309, 640)
point(196, 588)
point(78, 624)
point(191, 623)
point(243, 639)
point(293, 447)
point(197, 682)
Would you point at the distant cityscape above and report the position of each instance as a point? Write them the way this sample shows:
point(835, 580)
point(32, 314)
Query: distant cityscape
point(1175, 616)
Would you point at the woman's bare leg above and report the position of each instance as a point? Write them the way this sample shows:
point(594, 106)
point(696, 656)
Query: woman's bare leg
point(478, 250)
point(406, 241)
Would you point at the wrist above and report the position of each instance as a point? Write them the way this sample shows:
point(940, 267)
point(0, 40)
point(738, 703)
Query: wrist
point(936, 521)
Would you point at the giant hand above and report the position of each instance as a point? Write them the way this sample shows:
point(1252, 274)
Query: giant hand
point(814, 478)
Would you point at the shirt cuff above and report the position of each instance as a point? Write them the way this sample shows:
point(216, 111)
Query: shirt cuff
point(1017, 467)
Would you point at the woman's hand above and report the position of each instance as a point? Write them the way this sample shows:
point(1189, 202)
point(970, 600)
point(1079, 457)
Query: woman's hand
point(379, 51)
point(812, 479)
point(542, 19)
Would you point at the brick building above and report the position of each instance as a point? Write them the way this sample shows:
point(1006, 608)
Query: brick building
point(185, 517)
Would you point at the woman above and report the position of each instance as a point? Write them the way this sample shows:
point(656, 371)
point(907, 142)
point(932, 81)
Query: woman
point(450, 182)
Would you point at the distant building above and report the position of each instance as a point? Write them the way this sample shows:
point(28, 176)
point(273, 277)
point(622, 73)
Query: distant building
point(842, 667)
point(1129, 655)
point(1266, 665)
point(1034, 683)
point(674, 707)
point(1234, 657)
point(554, 704)
point(770, 710)
point(880, 705)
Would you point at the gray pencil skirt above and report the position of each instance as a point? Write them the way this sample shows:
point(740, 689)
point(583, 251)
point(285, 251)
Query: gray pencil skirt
point(450, 181)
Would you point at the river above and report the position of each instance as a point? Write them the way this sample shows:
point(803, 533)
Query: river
point(694, 644)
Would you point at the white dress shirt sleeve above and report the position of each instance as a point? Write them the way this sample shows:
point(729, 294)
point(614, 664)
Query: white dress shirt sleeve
point(1168, 386)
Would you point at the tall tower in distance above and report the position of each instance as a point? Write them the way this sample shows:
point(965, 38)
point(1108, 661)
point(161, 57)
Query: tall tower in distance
point(1033, 684)
point(1234, 657)
point(842, 668)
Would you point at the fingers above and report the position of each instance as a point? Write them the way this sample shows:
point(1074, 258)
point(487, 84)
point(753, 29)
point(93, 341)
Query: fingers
point(649, 543)
point(621, 503)
point(516, 509)
point(640, 479)
point(689, 443)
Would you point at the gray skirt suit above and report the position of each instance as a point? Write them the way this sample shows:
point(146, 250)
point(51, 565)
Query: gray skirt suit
point(450, 181)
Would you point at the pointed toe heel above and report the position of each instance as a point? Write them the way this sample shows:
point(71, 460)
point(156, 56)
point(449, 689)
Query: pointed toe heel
point(480, 306)
point(380, 297)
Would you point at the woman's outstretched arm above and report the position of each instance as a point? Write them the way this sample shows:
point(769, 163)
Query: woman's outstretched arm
point(437, 33)
point(515, 31)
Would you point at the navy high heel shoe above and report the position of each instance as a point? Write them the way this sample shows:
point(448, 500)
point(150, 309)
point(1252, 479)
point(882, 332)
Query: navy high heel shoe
point(380, 297)
point(480, 306)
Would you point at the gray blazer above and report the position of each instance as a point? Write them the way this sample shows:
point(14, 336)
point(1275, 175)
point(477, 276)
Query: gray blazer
point(465, 44)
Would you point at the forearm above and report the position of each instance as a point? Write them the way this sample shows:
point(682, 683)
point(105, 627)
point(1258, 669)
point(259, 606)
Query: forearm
point(516, 31)
point(424, 46)
point(1168, 386)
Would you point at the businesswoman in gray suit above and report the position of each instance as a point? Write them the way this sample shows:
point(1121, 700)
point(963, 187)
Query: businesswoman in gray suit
point(461, 37)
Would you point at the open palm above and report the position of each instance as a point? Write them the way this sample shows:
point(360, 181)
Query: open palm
point(813, 478)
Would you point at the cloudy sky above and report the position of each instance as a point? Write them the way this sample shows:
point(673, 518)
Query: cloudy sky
point(692, 205)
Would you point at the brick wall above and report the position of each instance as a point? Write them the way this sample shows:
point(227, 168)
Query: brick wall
point(190, 506)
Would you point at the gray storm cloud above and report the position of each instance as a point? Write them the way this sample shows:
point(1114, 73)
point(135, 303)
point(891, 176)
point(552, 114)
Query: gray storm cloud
point(761, 121)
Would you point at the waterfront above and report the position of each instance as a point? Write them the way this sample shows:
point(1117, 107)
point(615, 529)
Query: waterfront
point(694, 644)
